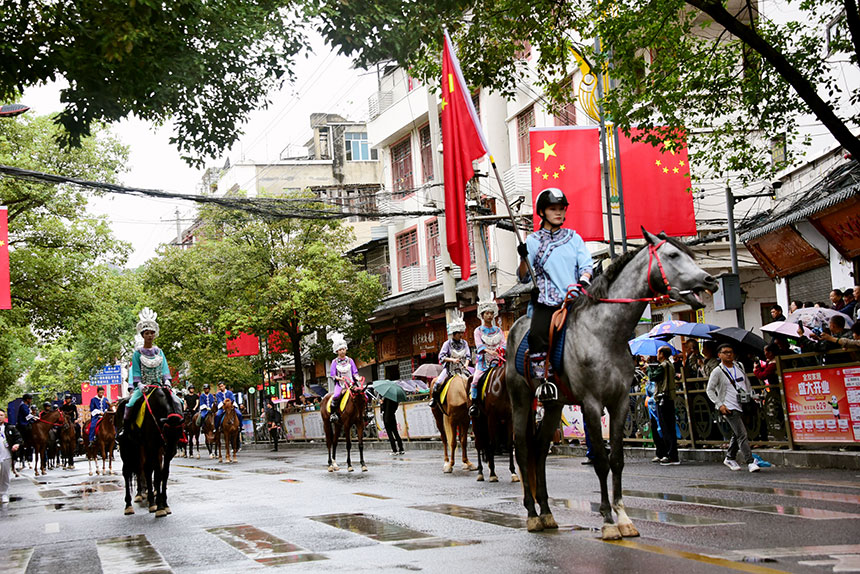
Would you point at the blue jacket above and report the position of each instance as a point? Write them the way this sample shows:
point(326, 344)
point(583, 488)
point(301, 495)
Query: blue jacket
point(100, 404)
point(220, 397)
point(23, 413)
point(205, 402)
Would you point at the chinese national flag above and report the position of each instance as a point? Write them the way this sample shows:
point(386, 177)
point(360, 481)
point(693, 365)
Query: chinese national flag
point(242, 345)
point(462, 143)
point(656, 187)
point(5, 290)
point(568, 158)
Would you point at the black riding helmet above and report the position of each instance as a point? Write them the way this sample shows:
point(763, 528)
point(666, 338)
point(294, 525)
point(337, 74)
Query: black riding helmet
point(46, 405)
point(26, 396)
point(547, 197)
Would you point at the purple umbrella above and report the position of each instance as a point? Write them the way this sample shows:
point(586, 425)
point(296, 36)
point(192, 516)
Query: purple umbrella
point(665, 329)
point(696, 330)
point(427, 370)
point(785, 328)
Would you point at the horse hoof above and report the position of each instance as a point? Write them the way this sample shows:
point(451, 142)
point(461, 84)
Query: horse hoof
point(448, 469)
point(234, 461)
point(363, 468)
point(628, 530)
point(167, 510)
point(160, 513)
point(469, 466)
point(534, 524)
point(331, 469)
point(91, 473)
point(494, 478)
point(138, 498)
point(335, 467)
point(480, 478)
point(129, 510)
point(198, 457)
point(548, 521)
point(153, 508)
point(610, 532)
point(515, 478)
point(350, 469)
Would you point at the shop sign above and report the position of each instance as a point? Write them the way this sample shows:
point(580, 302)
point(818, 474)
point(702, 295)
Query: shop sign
point(824, 404)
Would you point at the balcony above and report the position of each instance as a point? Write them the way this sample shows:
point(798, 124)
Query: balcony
point(379, 102)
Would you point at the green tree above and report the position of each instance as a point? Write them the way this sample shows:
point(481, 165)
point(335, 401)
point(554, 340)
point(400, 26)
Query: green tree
point(206, 64)
point(735, 80)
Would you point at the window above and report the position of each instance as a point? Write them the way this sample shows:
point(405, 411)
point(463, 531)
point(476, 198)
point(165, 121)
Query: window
point(401, 165)
point(358, 147)
point(566, 115)
point(407, 249)
point(434, 249)
point(525, 120)
point(426, 148)
point(777, 152)
point(476, 101)
point(835, 34)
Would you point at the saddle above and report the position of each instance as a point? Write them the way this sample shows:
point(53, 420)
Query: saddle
point(90, 422)
point(557, 335)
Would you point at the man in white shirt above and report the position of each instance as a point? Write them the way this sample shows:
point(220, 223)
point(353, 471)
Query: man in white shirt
point(728, 387)
point(10, 441)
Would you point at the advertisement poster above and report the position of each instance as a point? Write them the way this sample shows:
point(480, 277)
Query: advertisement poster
point(398, 417)
point(573, 425)
point(294, 428)
point(420, 421)
point(824, 404)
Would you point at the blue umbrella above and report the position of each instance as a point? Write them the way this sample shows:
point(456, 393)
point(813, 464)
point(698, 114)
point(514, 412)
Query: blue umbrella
point(696, 330)
point(645, 345)
point(665, 329)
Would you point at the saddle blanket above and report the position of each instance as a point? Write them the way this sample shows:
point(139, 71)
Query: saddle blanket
point(555, 357)
point(445, 387)
point(344, 399)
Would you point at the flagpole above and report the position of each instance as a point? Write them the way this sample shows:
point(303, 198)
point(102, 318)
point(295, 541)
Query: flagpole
point(513, 221)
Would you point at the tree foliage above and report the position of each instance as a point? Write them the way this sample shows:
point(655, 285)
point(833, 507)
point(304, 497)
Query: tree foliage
point(733, 79)
point(206, 64)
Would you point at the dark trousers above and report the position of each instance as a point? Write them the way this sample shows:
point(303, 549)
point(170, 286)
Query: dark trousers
point(539, 334)
point(274, 433)
point(589, 452)
point(389, 419)
point(667, 445)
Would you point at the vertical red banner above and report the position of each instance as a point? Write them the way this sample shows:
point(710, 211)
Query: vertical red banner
point(656, 188)
point(5, 288)
point(567, 157)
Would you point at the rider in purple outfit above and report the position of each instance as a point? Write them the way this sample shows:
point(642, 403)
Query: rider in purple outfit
point(454, 355)
point(344, 372)
point(489, 347)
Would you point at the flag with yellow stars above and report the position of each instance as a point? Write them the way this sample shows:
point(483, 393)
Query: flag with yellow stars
point(656, 188)
point(462, 143)
point(5, 292)
point(567, 157)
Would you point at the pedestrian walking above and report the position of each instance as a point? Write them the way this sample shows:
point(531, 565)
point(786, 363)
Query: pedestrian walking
point(729, 389)
point(389, 420)
point(10, 442)
point(273, 421)
point(663, 376)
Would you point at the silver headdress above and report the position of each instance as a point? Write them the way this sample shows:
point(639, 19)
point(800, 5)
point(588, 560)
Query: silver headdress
point(338, 342)
point(488, 305)
point(457, 323)
point(147, 321)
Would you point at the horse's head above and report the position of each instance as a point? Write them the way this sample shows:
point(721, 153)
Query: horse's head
point(674, 272)
point(228, 405)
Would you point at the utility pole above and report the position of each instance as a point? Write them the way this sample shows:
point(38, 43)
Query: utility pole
point(482, 264)
point(178, 229)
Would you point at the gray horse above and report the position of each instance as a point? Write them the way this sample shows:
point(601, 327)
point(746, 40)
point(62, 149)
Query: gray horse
point(597, 370)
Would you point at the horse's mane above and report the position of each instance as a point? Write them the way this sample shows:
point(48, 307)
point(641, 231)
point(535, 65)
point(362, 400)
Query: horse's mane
point(600, 287)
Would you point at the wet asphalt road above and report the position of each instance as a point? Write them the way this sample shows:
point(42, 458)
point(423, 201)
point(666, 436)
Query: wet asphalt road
point(284, 512)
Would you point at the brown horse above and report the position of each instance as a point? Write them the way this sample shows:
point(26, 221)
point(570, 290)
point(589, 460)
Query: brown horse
point(41, 429)
point(494, 427)
point(452, 419)
point(192, 423)
point(102, 445)
point(229, 429)
point(352, 415)
point(68, 443)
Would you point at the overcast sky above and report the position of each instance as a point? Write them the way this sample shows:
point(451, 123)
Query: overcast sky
point(325, 83)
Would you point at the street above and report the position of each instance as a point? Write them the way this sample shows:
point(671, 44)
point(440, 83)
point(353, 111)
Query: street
point(283, 511)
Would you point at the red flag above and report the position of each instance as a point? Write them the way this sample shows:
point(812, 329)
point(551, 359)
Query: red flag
point(567, 157)
point(656, 188)
point(243, 345)
point(5, 289)
point(462, 143)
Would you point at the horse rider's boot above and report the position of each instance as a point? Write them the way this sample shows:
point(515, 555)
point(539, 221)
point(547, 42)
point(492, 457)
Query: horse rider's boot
point(334, 410)
point(474, 410)
point(435, 396)
point(546, 388)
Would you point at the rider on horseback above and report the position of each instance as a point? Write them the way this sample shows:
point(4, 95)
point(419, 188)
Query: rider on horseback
point(205, 403)
point(345, 374)
point(222, 395)
point(99, 405)
point(25, 418)
point(489, 347)
point(148, 367)
point(70, 412)
point(560, 261)
point(454, 355)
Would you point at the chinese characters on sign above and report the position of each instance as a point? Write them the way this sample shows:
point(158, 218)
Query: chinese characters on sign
point(824, 404)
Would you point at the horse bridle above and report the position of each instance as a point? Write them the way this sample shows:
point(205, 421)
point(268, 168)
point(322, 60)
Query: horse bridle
point(658, 298)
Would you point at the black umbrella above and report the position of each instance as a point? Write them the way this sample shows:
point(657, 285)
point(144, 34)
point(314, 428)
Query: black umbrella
point(738, 335)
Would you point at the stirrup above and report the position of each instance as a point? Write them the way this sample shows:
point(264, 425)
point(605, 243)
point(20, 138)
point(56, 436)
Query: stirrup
point(474, 411)
point(333, 418)
point(546, 392)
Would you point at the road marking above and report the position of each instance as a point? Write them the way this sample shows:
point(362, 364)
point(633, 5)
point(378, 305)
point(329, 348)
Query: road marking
point(430, 543)
point(740, 566)
point(779, 509)
point(371, 495)
point(52, 527)
point(262, 547)
point(17, 560)
point(840, 563)
point(370, 527)
point(793, 551)
point(671, 518)
point(808, 494)
point(476, 514)
point(131, 555)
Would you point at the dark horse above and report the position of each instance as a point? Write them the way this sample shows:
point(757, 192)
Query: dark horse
point(42, 436)
point(351, 416)
point(148, 454)
point(192, 425)
point(68, 443)
point(597, 370)
point(494, 427)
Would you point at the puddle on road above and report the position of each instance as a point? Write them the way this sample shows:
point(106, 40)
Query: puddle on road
point(477, 514)
point(209, 468)
point(52, 493)
point(105, 487)
point(371, 495)
point(799, 493)
point(263, 547)
point(131, 555)
point(798, 511)
point(837, 483)
point(17, 560)
point(671, 518)
point(212, 476)
point(265, 471)
point(372, 528)
point(429, 543)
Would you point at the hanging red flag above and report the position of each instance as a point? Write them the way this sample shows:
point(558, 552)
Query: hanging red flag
point(5, 289)
point(242, 345)
point(567, 157)
point(656, 188)
point(462, 143)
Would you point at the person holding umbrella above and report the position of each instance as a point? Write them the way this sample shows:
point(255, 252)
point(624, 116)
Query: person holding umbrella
point(392, 394)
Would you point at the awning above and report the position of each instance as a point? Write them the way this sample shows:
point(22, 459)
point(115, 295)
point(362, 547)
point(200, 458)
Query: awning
point(403, 301)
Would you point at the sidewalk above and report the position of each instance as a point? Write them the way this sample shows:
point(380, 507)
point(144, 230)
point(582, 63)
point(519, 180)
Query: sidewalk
point(848, 460)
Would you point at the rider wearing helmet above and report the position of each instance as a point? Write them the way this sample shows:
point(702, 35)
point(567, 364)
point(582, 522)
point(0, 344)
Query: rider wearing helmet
point(560, 261)
point(344, 372)
point(453, 356)
point(70, 411)
point(47, 406)
point(205, 403)
point(25, 417)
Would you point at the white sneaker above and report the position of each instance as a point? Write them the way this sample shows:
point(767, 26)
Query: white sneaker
point(754, 467)
point(732, 464)
point(656, 459)
point(4, 499)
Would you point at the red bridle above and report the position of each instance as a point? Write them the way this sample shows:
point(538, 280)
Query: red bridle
point(652, 257)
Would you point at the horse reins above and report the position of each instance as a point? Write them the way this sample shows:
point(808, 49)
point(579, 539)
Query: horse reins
point(59, 424)
point(149, 408)
point(652, 257)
